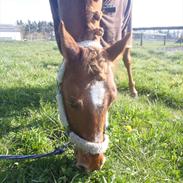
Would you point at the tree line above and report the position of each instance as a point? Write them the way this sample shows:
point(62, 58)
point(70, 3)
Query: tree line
point(36, 30)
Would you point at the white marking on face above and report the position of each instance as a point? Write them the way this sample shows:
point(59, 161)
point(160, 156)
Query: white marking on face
point(97, 92)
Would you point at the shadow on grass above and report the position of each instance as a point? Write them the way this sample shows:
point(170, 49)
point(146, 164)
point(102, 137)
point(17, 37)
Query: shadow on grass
point(53, 169)
point(7, 127)
point(155, 96)
point(14, 100)
point(15, 103)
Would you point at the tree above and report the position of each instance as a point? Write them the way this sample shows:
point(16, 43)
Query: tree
point(41, 27)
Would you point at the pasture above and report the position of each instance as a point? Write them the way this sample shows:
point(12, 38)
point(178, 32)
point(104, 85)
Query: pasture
point(146, 134)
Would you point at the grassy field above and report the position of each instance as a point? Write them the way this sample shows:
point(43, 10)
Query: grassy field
point(146, 133)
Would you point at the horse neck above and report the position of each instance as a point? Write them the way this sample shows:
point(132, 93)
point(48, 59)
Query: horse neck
point(83, 19)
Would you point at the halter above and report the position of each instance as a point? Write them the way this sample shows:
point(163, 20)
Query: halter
point(86, 146)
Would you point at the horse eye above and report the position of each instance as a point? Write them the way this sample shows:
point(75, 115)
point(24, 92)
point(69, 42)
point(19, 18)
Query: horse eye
point(74, 103)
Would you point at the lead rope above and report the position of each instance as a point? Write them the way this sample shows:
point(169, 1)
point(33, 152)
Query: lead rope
point(57, 151)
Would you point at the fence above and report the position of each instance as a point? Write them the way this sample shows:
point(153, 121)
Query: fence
point(164, 34)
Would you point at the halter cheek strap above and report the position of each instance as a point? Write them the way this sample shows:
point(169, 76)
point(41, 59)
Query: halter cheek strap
point(88, 147)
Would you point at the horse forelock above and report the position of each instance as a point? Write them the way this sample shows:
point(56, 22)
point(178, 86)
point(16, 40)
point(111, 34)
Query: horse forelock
point(94, 63)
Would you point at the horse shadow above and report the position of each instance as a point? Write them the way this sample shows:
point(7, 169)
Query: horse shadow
point(21, 97)
point(16, 102)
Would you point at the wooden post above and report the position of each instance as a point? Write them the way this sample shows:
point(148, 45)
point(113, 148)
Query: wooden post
point(141, 39)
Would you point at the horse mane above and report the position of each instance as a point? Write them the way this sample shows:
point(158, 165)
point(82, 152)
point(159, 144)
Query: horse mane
point(93, 61)
point(93, 10)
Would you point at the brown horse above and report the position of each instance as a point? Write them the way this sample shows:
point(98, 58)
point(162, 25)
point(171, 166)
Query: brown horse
point(85, 81)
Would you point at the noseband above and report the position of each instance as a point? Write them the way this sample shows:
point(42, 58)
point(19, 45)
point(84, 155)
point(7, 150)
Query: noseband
point(86, 146)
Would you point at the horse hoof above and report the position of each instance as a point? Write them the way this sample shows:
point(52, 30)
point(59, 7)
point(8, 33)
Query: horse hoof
point(134, 93)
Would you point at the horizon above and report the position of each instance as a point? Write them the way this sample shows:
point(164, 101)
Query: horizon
point(143, 12)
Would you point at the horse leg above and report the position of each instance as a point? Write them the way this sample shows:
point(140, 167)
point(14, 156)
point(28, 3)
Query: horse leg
point(127, 63)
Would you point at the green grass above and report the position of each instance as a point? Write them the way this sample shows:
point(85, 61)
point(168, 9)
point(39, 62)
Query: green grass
point(150, 151)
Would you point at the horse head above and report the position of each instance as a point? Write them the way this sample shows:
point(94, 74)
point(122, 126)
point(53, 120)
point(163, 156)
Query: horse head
point(88, 89)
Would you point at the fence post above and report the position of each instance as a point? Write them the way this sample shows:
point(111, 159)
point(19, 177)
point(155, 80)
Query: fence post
point(141, 39)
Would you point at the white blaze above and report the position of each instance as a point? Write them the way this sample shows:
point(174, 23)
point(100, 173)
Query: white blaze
point(97, 92)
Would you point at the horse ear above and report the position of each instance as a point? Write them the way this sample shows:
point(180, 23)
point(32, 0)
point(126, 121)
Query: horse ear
point(70, 48)
point(113, 51)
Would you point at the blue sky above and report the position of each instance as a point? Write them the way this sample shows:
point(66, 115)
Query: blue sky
point(145, 12)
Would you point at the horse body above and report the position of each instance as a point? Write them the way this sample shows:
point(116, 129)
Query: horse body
point(77, 17)
point(88, 86)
